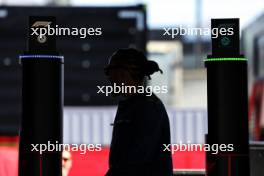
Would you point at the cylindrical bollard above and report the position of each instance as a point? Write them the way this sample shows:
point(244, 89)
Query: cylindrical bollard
point(227, 105)
point(42, 108)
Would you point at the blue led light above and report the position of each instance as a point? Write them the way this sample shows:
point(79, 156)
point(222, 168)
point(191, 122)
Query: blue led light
point(40, 56)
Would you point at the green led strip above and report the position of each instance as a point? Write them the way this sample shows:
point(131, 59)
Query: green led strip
point(225, 59)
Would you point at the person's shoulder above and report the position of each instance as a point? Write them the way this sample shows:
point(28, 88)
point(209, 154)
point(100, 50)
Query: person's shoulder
point(151, 101)
point(152, 108)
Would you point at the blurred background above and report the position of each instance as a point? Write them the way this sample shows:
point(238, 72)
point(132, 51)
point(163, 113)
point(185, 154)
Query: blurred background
point(128, 23)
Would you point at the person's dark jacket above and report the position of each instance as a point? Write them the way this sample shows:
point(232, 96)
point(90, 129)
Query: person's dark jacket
point(141, 129)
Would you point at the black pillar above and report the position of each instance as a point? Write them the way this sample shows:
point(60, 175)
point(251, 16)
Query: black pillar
point(227, 103)
point(42, 108)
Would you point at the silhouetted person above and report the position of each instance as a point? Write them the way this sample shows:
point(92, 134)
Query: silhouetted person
point(141, 125)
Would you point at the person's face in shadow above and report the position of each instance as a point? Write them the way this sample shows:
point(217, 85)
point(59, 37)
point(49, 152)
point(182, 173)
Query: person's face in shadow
point(119, 74)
